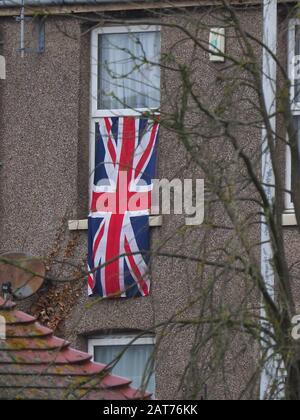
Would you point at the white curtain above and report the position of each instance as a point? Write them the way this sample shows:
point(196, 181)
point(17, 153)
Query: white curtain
point(126, 77)
point(132, 365)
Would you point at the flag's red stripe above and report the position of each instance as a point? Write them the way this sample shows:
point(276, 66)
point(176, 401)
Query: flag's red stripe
point(142, 284)
point(128, 146)
point(95, 197)
point(91, 281)
point(112, 271)
point(148, 150)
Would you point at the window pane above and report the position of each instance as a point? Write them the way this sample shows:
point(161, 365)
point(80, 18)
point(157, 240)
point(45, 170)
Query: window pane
point(126, 78)
point(132, 365)
point(297, 54)
point(297, 128)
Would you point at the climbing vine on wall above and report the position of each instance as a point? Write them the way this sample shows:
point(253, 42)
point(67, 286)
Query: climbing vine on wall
point(64, 280)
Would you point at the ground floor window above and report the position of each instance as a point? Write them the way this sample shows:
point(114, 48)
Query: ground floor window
point(135, 364)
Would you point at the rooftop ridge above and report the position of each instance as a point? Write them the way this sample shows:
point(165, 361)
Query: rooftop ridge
point(35, 364)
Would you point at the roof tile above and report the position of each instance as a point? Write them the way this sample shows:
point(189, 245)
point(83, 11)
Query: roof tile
point(34, 364)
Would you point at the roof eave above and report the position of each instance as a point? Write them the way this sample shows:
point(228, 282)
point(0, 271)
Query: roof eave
point(46, 7)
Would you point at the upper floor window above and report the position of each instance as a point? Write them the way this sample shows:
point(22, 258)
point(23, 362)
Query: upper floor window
point(125, 70)
point(294, 76)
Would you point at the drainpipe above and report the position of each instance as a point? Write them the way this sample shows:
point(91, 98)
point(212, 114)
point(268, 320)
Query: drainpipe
point(22, 35)
point(2, 59)
point(269, 90)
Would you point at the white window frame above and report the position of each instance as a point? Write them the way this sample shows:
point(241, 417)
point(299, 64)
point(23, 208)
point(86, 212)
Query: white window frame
point(118, 340)
point(289, 206)
point(295, 107)
point(100, 113)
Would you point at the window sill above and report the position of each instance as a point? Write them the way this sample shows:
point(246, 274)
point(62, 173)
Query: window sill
point(289, 219)
point(139, 112)
point(154, 221)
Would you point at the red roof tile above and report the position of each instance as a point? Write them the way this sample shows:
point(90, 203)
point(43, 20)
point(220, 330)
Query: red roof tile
point(34, 364)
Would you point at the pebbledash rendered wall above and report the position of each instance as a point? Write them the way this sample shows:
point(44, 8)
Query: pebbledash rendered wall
point(44, 143)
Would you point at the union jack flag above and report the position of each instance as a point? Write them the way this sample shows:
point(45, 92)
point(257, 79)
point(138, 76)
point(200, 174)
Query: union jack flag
point(125, 162)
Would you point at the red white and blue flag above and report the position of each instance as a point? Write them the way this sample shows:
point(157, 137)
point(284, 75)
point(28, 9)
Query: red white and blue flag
point(119, 239)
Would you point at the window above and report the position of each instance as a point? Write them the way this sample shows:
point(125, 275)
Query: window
point(294, 75)
point(134, 363)
point(125, 75)
point(125, 70)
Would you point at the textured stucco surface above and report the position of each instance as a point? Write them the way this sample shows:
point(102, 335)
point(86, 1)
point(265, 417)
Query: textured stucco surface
point(44, 124)
point(39, 138)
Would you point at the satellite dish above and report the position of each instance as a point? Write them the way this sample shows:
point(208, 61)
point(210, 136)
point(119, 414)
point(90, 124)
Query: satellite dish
point(25, 273)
